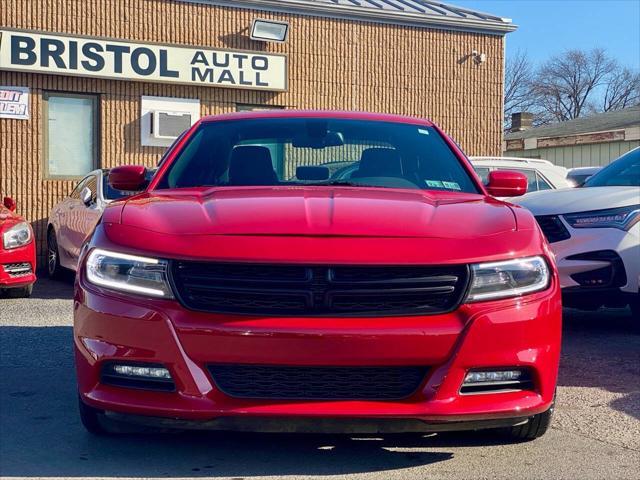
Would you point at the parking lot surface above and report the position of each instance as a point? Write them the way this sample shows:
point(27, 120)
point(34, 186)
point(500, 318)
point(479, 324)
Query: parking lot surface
point(595, 433)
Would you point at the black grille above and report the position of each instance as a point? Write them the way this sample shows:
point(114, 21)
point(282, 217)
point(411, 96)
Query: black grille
point(317, 383)
point(322, 290)
point(613, 275)
point(553, 228)
point(15, 270)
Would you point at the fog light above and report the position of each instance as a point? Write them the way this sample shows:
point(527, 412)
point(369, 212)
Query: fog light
point(148, 372)
point(492, 376)
point(150, 376)
point(495, 381)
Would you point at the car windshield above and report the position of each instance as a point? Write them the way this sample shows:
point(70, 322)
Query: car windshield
point(625, 171)
point(313, 151)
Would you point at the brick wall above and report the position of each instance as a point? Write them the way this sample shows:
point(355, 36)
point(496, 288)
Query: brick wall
point(333, 64)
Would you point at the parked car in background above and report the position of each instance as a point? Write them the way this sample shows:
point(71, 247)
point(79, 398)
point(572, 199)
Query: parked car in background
point(246, 289)
point(17, 252)
point(73, 218)
point(577, 176)
point(541, 174)
point(594, 232)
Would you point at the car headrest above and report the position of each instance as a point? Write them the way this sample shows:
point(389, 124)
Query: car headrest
point(251, 165)
point(379, 162)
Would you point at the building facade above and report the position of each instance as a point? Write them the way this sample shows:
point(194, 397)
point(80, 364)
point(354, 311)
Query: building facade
point(83, 83)
point(591, 141)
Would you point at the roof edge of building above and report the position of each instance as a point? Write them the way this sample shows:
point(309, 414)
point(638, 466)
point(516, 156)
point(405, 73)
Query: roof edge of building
point(629, 117)
point(347, 12)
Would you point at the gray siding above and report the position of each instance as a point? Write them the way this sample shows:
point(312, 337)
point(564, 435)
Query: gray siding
point(579, 155)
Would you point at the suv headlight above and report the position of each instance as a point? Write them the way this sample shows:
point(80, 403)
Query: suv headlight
point(622, 218)
point(17, 236)
point(128, 273)
point(510, 278)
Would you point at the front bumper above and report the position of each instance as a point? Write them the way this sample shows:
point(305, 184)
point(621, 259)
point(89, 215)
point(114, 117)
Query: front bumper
point(314, 425)
point(626, 244)
point(516, 332)
point(18, 266)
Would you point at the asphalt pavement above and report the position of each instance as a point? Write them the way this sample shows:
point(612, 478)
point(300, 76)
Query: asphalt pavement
point(595, 432)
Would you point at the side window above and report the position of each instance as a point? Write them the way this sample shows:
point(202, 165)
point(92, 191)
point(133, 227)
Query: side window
point(531, 178)
point(542, 183)
point(75, 194)
point(92, 184)
point(483, 173)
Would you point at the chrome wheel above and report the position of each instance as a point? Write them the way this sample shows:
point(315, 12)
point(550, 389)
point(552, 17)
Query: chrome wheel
point(52, 254)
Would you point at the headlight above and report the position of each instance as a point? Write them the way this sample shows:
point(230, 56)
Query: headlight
point(510, 278)
point(622, 218)
point(17, 236)
point(128, 273)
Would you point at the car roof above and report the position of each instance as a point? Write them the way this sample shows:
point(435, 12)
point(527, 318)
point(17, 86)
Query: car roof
point(336, 114)
point(584, 169)
point(518, 160)
point(534, 163)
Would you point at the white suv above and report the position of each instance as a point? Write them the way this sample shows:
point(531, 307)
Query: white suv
point(594, 231)
point(542, 174)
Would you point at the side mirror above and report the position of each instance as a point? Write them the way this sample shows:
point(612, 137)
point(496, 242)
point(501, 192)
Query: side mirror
point(9, 203)
point(86, 195)
point(131, 178)
point(505, 183)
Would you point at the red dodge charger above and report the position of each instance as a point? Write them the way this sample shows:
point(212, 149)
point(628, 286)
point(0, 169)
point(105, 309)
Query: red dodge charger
point(249, 287)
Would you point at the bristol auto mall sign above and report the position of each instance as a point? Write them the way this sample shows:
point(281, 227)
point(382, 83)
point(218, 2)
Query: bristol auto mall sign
point(40, 52)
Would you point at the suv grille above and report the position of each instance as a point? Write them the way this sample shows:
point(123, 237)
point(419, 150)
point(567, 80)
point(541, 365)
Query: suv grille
point(307, 290)
point(553, 228)
point(317, 383)
point(613, 275)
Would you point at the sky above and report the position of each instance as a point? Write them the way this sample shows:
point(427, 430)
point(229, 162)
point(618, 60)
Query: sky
point(548, 27)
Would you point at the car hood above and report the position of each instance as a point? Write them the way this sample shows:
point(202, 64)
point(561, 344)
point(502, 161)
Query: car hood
point(573, 200)
point(317, 211)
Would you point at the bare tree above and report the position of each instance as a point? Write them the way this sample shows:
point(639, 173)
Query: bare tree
point(518, 93)
point(565, 85)
point(622, 89)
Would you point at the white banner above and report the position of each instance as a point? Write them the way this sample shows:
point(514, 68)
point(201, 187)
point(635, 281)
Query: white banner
point(14, 102)
point(28, 51)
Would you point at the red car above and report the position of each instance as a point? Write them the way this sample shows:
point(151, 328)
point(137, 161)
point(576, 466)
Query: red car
point(17, 252)
point(245, 289)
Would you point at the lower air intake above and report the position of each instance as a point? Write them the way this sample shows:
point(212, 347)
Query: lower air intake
point(317, 383)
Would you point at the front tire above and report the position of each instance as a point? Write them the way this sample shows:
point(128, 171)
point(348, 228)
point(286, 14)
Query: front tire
point(536, 427)
point(90, 418)
point(635, 314)
point(54, 269)
point(21, 292)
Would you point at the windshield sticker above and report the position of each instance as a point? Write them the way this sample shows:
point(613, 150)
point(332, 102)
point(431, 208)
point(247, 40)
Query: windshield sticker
point(423, 131)
point(451, 185)
point(434, 183)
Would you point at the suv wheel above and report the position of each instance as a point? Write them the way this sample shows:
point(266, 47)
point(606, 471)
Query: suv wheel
point(534, 428)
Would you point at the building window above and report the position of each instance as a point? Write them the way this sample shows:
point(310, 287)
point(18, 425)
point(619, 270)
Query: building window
point(71, 134)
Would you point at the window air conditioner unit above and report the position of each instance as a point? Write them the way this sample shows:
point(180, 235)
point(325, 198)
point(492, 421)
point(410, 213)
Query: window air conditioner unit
point(169, 125)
